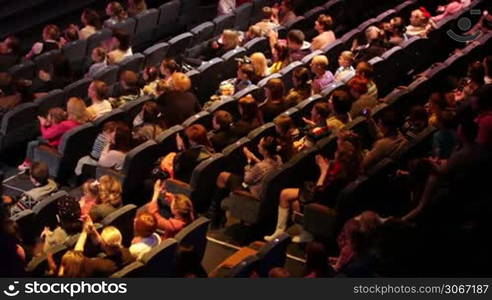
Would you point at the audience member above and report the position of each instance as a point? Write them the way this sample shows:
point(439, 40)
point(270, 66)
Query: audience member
point(275, 101)
point(92, 23)
point(110, 191)
point(322, 77)
point(51, 39)
point(326, 36)
point(114, 153)
point(98, 93)
point(134, 7)
point(345, 70)
point(222, 135)
point(148, 125)
point(116, 14)
point(122, 47)
point(250, 116)
point(145, 235)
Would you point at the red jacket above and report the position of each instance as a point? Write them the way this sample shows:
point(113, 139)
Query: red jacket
point(54, 133)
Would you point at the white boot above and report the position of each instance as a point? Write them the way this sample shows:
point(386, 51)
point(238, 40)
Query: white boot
point(303, 237)
point(283, 215)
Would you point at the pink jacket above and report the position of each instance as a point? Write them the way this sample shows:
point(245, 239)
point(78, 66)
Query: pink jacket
point(450, 9)
point(54, 133)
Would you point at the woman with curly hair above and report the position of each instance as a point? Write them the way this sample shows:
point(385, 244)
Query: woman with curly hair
point(110, 191)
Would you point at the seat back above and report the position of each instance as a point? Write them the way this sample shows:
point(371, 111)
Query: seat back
point(23, 70)
point(47, 209)
point(38, 266)
point(123, 220)
point(195, 234)
point(132, 270)
point(223, 22)
point(202, 32)
point(127, 26)
point(179, 44)
point(55, 98)
point(155, 54)
point(243, 16)
point(27, 226)
point(259, 44)
point(77, 89)
point(244, 269)
point(161, 260)
point(133, 63)
point(19, 125)
point(132, 108)
point(287, 74)
point(146, 24)
point(211, 77)
point(229, 64)
point(273, 254)
point(75, 52)
point(46, 59)
point(95, 41)
point(168, 18)
point(203, 118)
point(108, 74)
point(203, 181)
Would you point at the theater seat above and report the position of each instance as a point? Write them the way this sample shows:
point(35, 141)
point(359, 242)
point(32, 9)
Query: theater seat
point(19, 125)
point(133, 63)
point(320, 221)
point(228, 104)
point(123, 220)
point(259, 44)
point(55, 98)
point(195, 234)
point(230, 64)
point(242, 16)
point(28, 229)
point(77, 89)
point(155, 54)
point(46, 210)
point(133, 270)
point(168, 18)
point(203, 118)
point(161, 260)
point(244, 269)
point(210, 78)
point(108, 74)
point(76, 52)
point(223, 22)
point(38, 266)
point(202, 32)
point(272, 254)
point(132, 108)
point(73, 145)
point(45, 60)
point(145, 27)
point(287, 74)
point(178, 44)
point(24, 70)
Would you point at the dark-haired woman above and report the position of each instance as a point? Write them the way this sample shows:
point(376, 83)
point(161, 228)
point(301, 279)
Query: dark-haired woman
point(113, 155)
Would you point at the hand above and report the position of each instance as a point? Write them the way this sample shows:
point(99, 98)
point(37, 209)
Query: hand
point(88, 224)
point(309, 122)
point(42, 121)
point(249, 155)
point(323, 163)
point(215, 45)
point(45, 232)
point(159, 188)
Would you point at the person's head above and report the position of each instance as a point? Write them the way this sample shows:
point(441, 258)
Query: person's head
point(71, 33)
point(301, 77)
point(254, 31)
point(280, 52)
point(56, 115)
point(293, 98)
point(76, 110)
point(248, 108)
point(268, 147)
point(397, 25)
point(11, 45)
point(150, 74)
point(274, 89)
point(144, 225)
point(72, 264)
point(197, 135)
point(295, 39)
point(230, 39)
point(349, 157)
point(109, 128)
point(111, 238)
point(226, 88)
point(129, 80)
point(372, 33)
point(7, 84)
point(317, 260)
point(341, 102)
point(259, 63)
point(418, 117)
point(267, 13)
point(279, 273)
point(182, 208)
point(122, 138)
point(445, 119)
point(115, 10)
point(323, 23)
point(286, 6)
point(39, 173)
point(365, 69)
point(98, 55)
point(169, 67)
point(110, 190)
point(283, 124)
point(346, 59)
point(51, 32)
point(98, 90)
point(180, 82)
point(91, 18)
point(419, 17)
point(357, 86)
point(481, 100)
point(150, 112)
point(222, 120)
point(136, 4)
point(388, 123)
point(90, 188)
point(319, 64)
point(476, 73)
point(121, 39)
point(437, 103)
point(245, 72)
point(320, 112)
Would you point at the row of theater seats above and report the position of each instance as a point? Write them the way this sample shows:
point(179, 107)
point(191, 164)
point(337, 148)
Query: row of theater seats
point(365, 193)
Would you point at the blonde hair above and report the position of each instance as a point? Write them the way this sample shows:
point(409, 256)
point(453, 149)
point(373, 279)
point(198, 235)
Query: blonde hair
point(180, 82)
point(184, 208)
point(112, 237)
point(348, 55)
point(230, 38)
point(259, 62)
point(72, 264)
point(321, 60)
point(76, 110)
point(110, 190)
